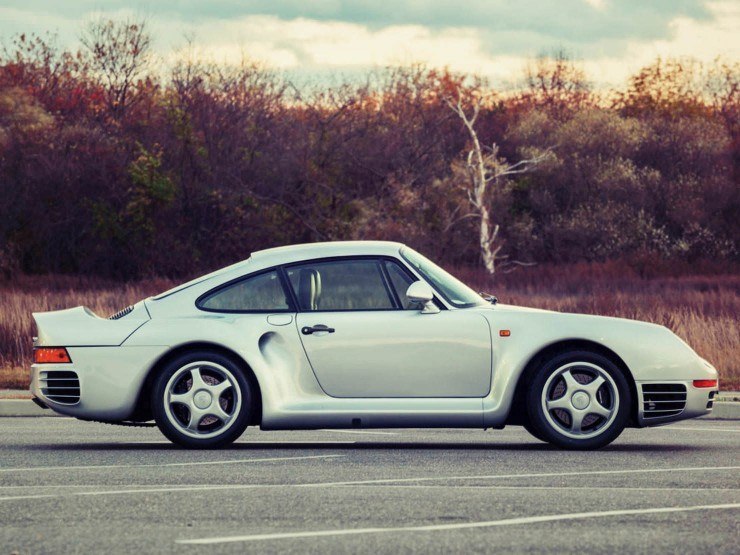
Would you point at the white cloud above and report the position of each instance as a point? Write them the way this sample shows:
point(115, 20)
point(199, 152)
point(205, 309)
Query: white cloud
point(305, 44)
point(309, 43)
point(597, 4)
point(324, 45)
point(702, 40)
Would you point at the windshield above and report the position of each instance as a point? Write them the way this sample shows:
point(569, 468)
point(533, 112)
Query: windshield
point(452, 289)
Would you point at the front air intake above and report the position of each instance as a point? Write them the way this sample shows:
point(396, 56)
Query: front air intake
point(60, 386)
point(663, 399)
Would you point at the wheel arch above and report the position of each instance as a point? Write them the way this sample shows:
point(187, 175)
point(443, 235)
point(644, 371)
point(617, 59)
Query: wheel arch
point(517, 415)
point(142, 411)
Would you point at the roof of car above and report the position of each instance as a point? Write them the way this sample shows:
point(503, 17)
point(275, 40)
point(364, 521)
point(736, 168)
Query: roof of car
point(294, 253)
point(289, 254)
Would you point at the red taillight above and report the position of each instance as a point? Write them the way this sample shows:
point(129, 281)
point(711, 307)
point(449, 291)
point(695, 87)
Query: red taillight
point(705, 383)
point(50, 355)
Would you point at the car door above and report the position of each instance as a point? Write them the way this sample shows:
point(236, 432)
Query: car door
point(364, 339)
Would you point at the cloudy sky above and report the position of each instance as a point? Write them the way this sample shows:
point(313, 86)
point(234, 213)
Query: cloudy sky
point(330, 37)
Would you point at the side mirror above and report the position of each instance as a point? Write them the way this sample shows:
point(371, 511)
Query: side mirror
point(420, 292)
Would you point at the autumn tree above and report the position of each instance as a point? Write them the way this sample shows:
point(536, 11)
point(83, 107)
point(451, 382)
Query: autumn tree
point(120, 53)
point(109, 168)
point(556, 84)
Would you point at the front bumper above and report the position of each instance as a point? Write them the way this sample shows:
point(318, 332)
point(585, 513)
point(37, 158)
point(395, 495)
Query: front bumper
point(662, 402)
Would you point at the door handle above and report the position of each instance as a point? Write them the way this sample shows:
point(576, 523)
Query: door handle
point(308, 330)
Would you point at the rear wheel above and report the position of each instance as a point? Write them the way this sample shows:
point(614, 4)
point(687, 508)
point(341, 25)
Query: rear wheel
point(202, 400)
point(578, 400)
point(534, 432)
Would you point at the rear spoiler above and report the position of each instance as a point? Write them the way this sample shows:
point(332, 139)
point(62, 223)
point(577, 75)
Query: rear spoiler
point(80, 326)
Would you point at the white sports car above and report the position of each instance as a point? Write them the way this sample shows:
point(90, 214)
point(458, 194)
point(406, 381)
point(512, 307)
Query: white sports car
point(360, 335)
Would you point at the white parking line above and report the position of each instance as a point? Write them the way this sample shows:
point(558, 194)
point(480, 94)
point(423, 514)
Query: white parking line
point(144, 489)
point(521, 488)
point(96, 467)
point(299, 441)
point(255, 441)
point(692, 429)
point(26, 497)
point(169, 489)
point(383, 483)
point(361, 432)
point(532, 475)
point(148, 488)
point(458, 526)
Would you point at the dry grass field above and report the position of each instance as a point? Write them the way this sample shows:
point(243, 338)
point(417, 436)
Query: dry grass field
point(703, 310)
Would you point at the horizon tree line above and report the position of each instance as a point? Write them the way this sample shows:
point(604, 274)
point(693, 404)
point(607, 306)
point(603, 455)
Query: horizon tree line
point(109, 168)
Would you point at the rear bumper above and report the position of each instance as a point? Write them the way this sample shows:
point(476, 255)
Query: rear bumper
point(110, 379)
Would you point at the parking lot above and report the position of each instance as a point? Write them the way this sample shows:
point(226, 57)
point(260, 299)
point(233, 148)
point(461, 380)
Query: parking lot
point(70, 486)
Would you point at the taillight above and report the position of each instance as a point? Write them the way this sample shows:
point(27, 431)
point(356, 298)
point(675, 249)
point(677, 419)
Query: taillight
point(705, 383)
point(50, 355)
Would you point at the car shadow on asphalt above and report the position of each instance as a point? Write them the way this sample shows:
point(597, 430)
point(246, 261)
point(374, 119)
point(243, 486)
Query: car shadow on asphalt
point(366, 445)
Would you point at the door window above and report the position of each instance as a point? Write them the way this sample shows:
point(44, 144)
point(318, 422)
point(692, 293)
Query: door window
point(338, 285)
point(400, 280)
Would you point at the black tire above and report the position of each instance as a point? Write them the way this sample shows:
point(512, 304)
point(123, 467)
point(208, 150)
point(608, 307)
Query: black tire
point(573, 426)
point(236, 402)
point(527, 426)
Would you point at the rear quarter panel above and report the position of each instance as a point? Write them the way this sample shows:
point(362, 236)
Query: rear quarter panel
point(273, 352)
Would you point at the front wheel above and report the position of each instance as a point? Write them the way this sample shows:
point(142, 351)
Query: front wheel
point(202, 400)
point(578, 400)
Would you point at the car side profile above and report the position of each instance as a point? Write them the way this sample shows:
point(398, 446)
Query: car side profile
point(362, 334)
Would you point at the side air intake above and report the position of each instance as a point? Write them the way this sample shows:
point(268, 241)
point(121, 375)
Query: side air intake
point(60, 386)
point(663, 399)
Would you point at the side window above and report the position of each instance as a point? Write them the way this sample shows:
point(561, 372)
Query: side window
point(263, 292)
point(341, 285)
point(400, 281)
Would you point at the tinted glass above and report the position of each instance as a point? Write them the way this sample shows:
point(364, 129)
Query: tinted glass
point(400, 280)
point(340, 285)
point(452, 289)
point(261, 292)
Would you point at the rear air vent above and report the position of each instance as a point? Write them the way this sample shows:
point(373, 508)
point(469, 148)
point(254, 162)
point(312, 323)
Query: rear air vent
point(121, 313)
point(663, 399)
point(60, 386)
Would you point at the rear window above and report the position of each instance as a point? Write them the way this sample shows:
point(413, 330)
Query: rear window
point(198, 280)
point(261, 293)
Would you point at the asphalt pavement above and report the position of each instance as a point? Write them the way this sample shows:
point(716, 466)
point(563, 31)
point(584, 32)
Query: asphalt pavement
point(76, 487)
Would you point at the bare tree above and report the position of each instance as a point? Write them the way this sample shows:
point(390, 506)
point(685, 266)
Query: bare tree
point(556, 83)
point(120, 53)
point(486, 169)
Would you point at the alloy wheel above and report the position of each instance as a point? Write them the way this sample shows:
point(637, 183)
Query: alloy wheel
point(580, 400)
point(202, 399)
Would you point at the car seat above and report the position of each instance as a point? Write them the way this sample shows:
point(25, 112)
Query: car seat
point(309, 289)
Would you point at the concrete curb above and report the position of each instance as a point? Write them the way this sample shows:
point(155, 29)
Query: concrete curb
point(723, 410)
point(23, 407)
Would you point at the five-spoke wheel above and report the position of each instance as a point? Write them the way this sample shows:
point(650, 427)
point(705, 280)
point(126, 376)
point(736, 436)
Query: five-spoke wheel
point(201, 400)
point(578, 400)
